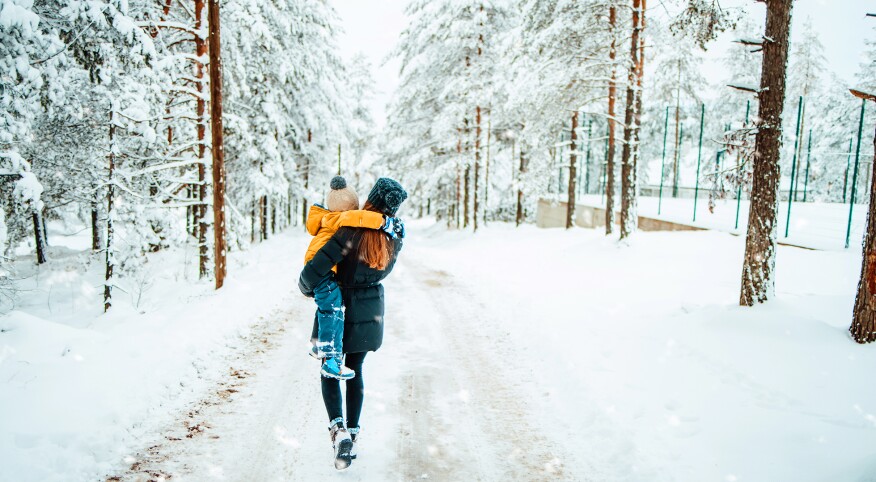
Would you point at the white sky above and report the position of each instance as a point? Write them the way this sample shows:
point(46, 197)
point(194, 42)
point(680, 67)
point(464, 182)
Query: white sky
point(373, 27)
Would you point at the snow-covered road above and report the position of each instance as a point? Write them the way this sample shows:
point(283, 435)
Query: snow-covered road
point(446, 400)
point(526, 354)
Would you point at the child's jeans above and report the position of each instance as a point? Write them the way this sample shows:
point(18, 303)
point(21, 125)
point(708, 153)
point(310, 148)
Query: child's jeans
point(330, 318)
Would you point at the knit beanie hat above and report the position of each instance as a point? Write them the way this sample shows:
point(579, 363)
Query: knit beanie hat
point(341, 197)
point(387, 195)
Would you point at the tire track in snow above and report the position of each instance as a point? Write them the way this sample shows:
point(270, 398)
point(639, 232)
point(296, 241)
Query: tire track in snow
point(494, 433)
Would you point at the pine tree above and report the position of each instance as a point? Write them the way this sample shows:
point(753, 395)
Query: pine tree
point(758, 282)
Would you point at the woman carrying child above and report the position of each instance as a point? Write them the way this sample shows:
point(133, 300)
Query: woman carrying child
point(363, 257)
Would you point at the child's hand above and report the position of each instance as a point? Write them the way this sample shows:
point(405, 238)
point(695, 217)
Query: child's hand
point(394, 227)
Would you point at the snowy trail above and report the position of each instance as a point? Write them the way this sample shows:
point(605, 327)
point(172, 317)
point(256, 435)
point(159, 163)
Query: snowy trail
point(446, 400)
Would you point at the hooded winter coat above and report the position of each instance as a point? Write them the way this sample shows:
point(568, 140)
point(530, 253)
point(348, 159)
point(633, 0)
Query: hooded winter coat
point(360, 285)
point(322, 224)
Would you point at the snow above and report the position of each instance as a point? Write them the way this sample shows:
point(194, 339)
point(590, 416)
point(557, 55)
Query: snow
point(510, 354)
point(649, 339)
point(79, 390)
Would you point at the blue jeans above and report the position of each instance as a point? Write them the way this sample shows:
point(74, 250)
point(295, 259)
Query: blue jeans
point(329, 317)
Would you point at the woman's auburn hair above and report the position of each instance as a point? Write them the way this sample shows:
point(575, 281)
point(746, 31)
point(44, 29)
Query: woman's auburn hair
point(374, 249)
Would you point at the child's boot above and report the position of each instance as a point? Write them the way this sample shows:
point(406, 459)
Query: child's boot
point(333, 368)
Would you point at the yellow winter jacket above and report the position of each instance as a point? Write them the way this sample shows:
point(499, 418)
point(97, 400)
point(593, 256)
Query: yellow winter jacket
point(322, 225)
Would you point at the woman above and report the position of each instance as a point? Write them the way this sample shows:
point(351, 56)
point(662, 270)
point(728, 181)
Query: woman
point(364, 257)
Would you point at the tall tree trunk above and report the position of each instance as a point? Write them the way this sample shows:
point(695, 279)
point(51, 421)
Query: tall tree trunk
point(477, 162)
point(306, 174)
point(95, 228)
point(465, 197)
point(612, 96)
point(252, 222)
point(758, 283)
point(200, 114)
point(520, 172)
point(263, 216)
point(628, 215)
point(218, 148)
point(487, 168)
point(110, 259)
point(863, 327)
point(39, 238)
point(573, 171)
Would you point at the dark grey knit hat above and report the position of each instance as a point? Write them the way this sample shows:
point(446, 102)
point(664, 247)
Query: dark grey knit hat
point(387, 195)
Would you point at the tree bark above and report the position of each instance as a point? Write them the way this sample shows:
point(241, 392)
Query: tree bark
point(628, 215)
point(477, 163)
point(95, 229)
point(612, 96)
point(573, 172)
point(217, 146)
point(520, 172)
point(200, 110)
point(38, 236)
point(758, 283)
point(465, 197)
point(863, 328)
point(252, 222)
point(110, 261)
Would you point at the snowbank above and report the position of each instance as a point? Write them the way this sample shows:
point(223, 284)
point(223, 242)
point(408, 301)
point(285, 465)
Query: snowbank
point(651, 336)
point(79, 389)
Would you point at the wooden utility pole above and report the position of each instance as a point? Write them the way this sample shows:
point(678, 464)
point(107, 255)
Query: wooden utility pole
point(612, 95)
point(758, 281)
point(573, 172)
point(628, 216)
point(217, 147)
point(863, 328)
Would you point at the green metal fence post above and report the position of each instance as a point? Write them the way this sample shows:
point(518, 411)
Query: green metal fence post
point(678, 158)
point(848, 168)
point(739, 188)
point(794, 165)
point(699, 156)
point(808, 156)
point(663, 161)
point(855, 174)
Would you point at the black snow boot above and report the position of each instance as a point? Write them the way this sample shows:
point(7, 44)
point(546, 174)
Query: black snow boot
point(342, 443)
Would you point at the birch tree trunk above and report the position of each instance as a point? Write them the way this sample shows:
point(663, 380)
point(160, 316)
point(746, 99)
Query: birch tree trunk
point(758, 282)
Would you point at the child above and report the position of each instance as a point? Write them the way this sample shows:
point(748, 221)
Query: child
point(343, 210)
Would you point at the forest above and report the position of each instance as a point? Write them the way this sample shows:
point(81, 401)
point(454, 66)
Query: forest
point(150, 148)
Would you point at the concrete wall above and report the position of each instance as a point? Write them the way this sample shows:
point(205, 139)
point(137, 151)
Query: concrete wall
point(553, 215)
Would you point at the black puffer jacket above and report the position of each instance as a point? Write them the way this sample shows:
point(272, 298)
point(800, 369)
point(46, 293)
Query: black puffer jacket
point(360, 286)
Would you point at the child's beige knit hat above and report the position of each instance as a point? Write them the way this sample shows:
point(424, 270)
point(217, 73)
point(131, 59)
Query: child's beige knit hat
point(341, 197)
